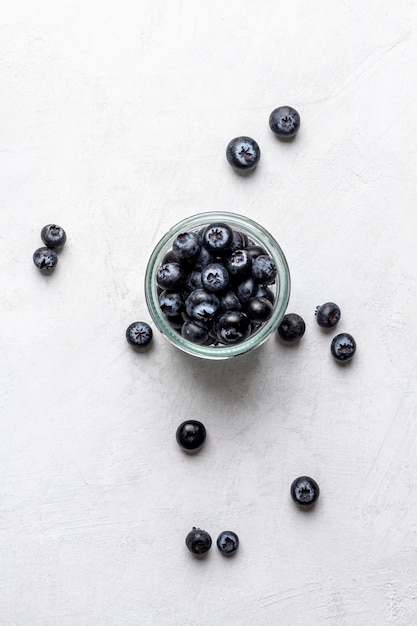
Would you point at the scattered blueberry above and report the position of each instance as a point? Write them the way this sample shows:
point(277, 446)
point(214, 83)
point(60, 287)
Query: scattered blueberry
point(305, 491)
point(243, 154)
point(292, 327)
point(191, 435)
point(45, 260)
point(343, 347)
point(53, 236)
point(327, 315)
point(139, 335)
point(227, 542)
point(198, 541)
point(284, 122)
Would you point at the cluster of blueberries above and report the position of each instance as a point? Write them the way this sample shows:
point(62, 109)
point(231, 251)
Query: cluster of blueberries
point(213, 285)
point(304, 490)
point(343, 345)
point(46, 258)
point(243, 153)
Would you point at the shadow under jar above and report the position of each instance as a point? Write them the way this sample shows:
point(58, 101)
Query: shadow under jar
point(280, 288)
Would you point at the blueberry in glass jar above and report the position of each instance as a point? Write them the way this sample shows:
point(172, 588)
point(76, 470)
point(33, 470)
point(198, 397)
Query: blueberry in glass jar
point(218, 278)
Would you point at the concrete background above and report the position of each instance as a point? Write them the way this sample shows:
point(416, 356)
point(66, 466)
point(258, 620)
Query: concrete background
point(114, 122)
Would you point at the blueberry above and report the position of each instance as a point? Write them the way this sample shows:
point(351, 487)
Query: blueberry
point(327, 315)
point(264, 270)
point(232, 327)
point(240, 241)
point(343, 347)
point(255, 250)
point(45, 260)
point(215, 277)
point(193, 281)
point(198, 541)
point(227, 542)
point(201, 305)
point(246, 290)
point(265, 292)
point(187, 246)
point(284, 122)
point(170, 275)
point(139, 335)
point(259, 309)
point(230, 302)
point(176, 321)
point(204, 258)
point(191, 435)
point(218, 239)
point(169, 257)
point(305, 491)
point(239, 264)
point(53, 236)
point(171, 302)
point(243, 154)
point(292, 327)
point(195, 331)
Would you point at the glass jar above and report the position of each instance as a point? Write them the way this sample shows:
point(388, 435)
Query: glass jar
point(281, 288)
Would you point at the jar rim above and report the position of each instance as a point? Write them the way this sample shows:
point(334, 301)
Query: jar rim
point(260, 236)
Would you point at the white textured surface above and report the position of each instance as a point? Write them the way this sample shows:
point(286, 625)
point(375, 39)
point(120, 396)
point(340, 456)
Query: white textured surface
point(114, 121)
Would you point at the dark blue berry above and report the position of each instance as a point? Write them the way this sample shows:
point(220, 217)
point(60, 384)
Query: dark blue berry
point(284, 122)
point(170, 275)
point(239, 264)
point(292, 327)
point(218, 239)
point(255, 251)
point(343, 347)
point(243, 154)
point(259, 309)
point(187, 246)
point(265, 292)
point(191, 435)
point(53, 236)
point(230, 302)
point(202, 305)
point(171, 302)
point(169, 257)
point(232, 327)
point(204, 258)
point(240, 241)
point(176, 321)
point(45, 260)
point(215, 277)
point(327, 315)
point(246, 289)
point(193, 281)
point(139, 335)
point(227, 542)
point(305, 491)
point(195, 331)
point(198, 541)
point(264, 270)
